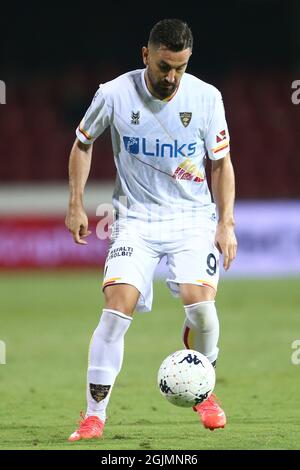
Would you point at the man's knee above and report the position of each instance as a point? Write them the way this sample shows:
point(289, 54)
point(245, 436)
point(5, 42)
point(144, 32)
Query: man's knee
point(192, 293)
point(121, 297)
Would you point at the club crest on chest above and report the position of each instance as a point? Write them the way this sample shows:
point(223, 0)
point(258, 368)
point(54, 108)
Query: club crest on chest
point(185, 118)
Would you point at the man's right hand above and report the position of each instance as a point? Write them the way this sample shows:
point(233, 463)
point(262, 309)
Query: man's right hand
point(77, 223)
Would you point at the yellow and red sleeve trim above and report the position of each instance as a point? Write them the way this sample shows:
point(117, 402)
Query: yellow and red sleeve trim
point(220, 147)
point(85, 133)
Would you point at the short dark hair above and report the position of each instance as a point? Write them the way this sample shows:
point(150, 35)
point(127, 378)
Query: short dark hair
point(171, 33)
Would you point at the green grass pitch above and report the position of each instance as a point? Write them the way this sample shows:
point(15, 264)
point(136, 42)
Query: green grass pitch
point(47, 320)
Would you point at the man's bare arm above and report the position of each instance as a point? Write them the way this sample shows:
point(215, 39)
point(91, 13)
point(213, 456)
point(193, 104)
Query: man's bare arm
point(223, 188)
point(79, 168)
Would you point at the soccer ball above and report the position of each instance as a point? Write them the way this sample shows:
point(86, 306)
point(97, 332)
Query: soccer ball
point(186, 378)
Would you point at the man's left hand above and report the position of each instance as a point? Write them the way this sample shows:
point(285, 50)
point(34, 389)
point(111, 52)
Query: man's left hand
point(226, 243)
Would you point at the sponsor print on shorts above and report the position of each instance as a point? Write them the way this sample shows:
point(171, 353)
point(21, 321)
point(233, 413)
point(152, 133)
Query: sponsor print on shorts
point(120, 251)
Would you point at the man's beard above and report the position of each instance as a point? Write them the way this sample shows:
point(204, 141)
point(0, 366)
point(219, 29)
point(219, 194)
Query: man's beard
point(162, 89)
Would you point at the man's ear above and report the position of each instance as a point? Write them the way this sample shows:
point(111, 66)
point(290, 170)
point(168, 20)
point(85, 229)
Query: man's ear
point(145, 55)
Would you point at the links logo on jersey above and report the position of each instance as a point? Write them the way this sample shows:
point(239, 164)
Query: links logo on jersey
point(132, 144)
point(143, 146)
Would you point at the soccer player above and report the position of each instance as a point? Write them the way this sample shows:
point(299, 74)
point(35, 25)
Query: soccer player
point(164, 124)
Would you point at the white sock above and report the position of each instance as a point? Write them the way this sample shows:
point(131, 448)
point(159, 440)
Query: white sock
point(105, 360)
point(201, 329)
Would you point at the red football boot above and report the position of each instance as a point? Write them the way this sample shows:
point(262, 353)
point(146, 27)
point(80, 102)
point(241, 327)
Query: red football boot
point(89, 428)
point(211, 414)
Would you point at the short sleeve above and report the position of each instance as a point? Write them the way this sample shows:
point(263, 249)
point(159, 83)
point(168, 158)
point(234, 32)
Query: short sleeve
point(95, 121)
point(217, 136)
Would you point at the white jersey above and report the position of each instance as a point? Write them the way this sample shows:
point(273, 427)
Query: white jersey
point(160, 147)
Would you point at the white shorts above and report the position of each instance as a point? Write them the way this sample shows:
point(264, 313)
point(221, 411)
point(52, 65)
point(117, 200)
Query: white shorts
point(132, 259)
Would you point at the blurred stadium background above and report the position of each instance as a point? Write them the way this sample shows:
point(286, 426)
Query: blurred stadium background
point(248, 49)
point(52, 59)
